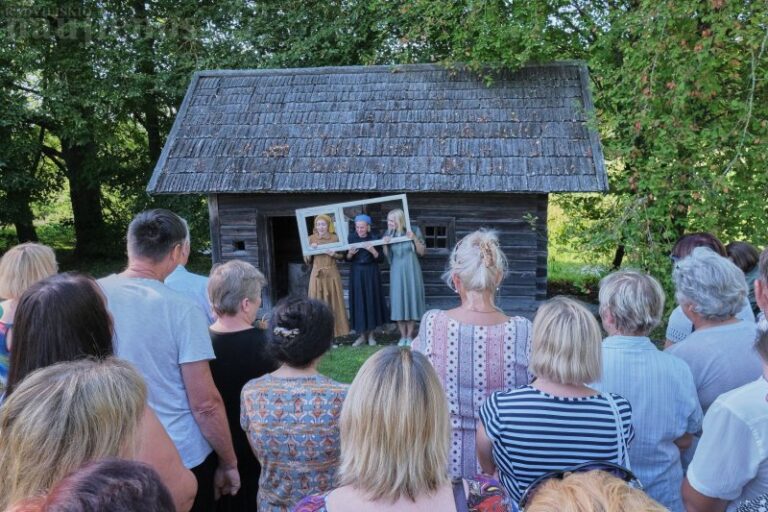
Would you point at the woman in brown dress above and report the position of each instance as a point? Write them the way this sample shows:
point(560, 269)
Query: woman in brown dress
point(325, 280)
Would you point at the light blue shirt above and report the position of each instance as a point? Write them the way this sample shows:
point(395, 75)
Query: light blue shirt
point(158, 330)
point(665, 406)
point(193, 286)
point(680, 326)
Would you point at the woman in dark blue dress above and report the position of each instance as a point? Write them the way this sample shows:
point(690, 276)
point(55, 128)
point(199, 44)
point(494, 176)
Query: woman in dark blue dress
point(366, 298)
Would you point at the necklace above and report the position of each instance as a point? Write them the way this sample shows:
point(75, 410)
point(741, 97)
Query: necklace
point(495, 310)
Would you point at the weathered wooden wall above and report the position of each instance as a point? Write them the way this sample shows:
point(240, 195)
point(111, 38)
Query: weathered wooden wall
point(519, 218)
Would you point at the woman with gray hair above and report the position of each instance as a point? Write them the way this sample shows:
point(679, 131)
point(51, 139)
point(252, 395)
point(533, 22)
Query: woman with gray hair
point(659, 386)
point(235, 292)
point(711, 290)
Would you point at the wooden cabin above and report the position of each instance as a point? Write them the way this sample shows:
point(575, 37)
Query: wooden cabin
point(470, 151)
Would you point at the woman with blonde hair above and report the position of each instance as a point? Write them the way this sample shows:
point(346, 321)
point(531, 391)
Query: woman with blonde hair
point(395, 457)
point(20, 267)
point(556, 421)
point(63, 318)
point(325, 280)
point(64, 416)
point(406, 284)
point(591, 491)
point(475, 348)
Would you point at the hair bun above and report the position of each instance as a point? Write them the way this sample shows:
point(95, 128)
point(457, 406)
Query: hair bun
point(487, 247)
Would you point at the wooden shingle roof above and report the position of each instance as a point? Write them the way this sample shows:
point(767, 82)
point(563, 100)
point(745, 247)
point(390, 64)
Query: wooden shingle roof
point(384, 129)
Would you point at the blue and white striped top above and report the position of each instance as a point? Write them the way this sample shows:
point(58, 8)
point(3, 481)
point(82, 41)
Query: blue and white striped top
point(533, 433)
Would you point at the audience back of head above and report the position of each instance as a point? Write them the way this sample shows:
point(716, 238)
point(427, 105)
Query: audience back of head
point(593, 491)
point(64, 416)
point(743, 255)
point(232, 282)
point(300, 330)
point(153, 234)
point(395, 427)
point(713, 284)
point(635, 301)
point(107, 485)
point(23, 265)
point(61, 318)
point(477, 262)
point(687, 243)
point(566, 343)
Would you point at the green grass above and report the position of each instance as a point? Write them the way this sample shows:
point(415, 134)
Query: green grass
point(341, 364)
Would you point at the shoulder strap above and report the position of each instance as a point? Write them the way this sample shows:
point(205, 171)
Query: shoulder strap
point(458, 495)
point(623, 451)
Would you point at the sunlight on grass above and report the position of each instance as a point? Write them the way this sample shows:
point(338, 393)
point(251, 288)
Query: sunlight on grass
point(341, 364)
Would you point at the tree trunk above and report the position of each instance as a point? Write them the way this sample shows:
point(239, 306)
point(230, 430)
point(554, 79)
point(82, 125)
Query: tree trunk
point(85, 196)
point(146, 66)
point(618, 257)
point(22, 215)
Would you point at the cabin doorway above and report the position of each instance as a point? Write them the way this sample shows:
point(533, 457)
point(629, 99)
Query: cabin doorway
point(290, 275)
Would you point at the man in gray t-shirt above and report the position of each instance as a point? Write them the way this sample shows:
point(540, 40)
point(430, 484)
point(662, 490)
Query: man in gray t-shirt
point(165, 335)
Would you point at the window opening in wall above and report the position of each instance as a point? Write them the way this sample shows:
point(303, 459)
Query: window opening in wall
point(238, 245)
point(436, 236)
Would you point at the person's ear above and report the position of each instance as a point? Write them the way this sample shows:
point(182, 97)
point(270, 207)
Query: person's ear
point(456, 283)
point(761, 295)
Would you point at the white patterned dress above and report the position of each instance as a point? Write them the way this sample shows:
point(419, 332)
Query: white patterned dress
point(473, 361)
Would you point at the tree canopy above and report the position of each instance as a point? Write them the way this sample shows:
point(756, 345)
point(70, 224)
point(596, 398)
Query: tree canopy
point(90, 89)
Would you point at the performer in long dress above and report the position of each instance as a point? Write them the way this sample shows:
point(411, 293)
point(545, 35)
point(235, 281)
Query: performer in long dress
point(406, 284)
point(366, 298)
point(325, 280)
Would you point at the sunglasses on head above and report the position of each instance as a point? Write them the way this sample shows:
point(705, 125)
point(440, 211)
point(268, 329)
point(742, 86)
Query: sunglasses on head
point(612, 469)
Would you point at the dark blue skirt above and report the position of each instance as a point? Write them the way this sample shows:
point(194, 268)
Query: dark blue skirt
point(368, 309)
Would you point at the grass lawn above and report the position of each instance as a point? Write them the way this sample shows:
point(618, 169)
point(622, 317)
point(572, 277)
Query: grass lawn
point(341, 363)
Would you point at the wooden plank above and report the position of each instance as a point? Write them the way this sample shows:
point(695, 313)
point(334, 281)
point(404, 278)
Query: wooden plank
point(215, 228)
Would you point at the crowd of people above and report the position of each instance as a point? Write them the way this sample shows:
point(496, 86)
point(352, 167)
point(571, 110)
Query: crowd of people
point(156, 389)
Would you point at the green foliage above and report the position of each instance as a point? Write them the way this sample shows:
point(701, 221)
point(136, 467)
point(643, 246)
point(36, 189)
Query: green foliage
point(679, 87)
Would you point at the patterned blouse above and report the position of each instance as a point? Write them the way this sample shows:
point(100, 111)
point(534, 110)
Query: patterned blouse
point(473, 361)
point(292, 427)
point(5, 354)
point(485, 495)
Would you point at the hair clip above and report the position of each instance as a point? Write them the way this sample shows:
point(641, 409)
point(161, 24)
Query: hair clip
point(285, 333)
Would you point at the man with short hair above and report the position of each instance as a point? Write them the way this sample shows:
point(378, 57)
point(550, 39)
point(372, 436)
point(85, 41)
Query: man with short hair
point(165, 335)
point(185, 282)
point(731, 463)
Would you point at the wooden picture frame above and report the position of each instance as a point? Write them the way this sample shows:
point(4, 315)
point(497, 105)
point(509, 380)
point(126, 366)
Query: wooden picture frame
point(343, 215)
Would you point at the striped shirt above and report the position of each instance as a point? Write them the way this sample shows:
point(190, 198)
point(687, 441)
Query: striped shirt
point(533, 433)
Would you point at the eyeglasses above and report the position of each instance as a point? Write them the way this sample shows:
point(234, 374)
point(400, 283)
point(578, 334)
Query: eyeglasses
point(612, 469)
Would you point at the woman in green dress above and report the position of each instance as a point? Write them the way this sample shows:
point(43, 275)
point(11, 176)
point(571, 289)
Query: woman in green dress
point(406, 285)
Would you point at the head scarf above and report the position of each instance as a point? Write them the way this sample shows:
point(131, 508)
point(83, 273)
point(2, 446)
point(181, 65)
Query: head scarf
point(363, 217)
point(327, 219)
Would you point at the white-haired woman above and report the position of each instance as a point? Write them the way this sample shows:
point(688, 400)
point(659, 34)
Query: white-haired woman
point(711, 290)
point(234, 289)
point(557, 421)
point(659, 386)
point(406, 284)
point(475, 348)
point(395, 458)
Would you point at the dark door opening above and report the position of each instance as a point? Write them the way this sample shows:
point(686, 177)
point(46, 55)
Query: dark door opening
point(289, 274)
